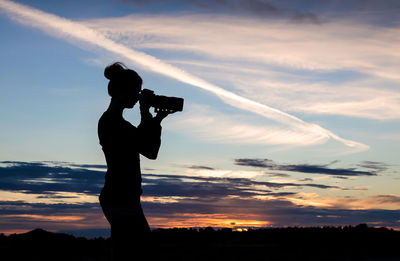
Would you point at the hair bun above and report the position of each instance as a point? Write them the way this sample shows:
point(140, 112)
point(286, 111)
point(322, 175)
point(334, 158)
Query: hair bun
point(114, 70)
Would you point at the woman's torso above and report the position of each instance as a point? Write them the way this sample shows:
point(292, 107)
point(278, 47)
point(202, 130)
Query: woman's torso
point(118, 139)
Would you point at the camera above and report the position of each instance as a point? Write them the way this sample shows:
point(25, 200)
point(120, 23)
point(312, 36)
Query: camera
point(160, 102)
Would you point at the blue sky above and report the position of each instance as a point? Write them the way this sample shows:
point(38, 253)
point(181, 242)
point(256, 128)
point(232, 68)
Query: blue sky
point(288, 92)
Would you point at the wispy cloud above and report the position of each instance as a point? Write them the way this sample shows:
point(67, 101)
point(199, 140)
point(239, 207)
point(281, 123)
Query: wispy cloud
point(350, 202)
point(82, 34)
point(201, 167)
point(341, 67)
point(304, 168)
point(374, 165)
point(387, 198)
point(261, 9)
point(338, 45)
point(368, 10)
point(213, 126)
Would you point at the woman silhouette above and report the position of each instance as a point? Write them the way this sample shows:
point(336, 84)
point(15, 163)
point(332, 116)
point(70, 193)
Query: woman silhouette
point(122, 143)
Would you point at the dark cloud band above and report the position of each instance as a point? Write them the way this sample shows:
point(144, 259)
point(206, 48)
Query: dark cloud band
point(231, 197)
point(303, 168)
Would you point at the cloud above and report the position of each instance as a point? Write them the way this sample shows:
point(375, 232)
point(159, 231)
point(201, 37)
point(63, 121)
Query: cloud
point(341, 67)
point(201, 167)
point(261, 213)
point(88, 36)
point(217, 187)
point(177, 200)
point(377, 12)
point(339, 45)
point(62, 183)
point(22, 217)
point(387, 198)
point(313, 92)
point(210, 125)
point(89, 166)
point(225, 212)
point(303, 168)
point(39, 178)
point(38, 183)
point(51, 183)
point(348, 202)
point(19, 216)
point(257, 8)
point(364, 103)
point(374, 165)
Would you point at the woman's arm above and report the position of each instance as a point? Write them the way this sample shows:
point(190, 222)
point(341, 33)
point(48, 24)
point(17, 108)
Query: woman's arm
point(150, 128)
point(149, 134)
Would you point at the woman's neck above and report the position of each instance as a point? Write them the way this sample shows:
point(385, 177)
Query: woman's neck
point(115, 107)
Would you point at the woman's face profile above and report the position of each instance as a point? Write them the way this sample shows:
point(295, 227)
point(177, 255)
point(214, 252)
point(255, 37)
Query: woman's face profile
point(131, 96)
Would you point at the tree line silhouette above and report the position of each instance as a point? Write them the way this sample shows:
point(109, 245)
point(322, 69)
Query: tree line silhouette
point(292, 243)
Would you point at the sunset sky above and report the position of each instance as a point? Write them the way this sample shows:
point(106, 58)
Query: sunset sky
point(291, 116)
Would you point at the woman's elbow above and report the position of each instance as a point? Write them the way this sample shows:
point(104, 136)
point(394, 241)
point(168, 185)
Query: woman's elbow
point(150, 151)
point(152, 156)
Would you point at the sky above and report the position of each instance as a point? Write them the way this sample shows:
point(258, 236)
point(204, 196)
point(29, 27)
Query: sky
point(291, 114)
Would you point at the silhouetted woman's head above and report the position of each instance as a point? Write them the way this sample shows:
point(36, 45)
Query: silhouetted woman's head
point(125, 84)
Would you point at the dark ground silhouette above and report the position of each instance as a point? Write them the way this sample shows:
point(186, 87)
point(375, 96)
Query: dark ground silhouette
point(327, 243)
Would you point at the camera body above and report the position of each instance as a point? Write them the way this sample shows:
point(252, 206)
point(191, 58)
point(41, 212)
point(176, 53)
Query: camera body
point(160, 102)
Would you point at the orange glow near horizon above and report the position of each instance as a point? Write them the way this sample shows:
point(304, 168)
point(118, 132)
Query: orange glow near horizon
point(48, 218)
point(238, 223)
point(315, 200)
point(182, 220)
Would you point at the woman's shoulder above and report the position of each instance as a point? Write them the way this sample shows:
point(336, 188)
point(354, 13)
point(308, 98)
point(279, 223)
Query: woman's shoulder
point(105, 116)
point(109, 117)
point(108, 122)
point(114, 121)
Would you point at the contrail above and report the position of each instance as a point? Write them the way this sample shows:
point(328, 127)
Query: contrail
point(70, 30)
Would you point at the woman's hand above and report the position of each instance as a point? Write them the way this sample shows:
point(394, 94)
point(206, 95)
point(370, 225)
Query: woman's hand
point(146, 97)
point(161, 114)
